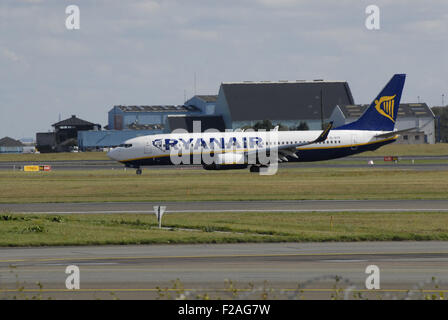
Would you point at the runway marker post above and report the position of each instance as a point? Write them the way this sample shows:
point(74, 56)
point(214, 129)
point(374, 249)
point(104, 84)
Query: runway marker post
point(159, 211)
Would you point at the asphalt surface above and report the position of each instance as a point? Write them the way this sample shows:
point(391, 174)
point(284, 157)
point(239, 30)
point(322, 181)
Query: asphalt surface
point(137, 272)
point(233, 206)
point(337, 163)
point(240, 271)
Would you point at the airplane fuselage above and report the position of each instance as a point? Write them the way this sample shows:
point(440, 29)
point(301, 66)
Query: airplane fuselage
point(238, 149)
point(158, 149)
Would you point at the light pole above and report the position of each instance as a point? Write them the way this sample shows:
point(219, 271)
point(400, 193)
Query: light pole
point(322, 109)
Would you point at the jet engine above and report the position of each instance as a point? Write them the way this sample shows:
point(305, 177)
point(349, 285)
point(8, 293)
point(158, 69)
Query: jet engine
point(224, 161)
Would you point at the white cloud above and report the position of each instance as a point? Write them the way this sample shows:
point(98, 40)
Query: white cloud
point(31, 1)
point(195, 34)
point(147, 51)
point(10, 55)
point(279, 3)
point(148, 5)
point(433, 27)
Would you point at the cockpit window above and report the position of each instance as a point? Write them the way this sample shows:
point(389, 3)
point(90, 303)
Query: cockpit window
point(125, 145)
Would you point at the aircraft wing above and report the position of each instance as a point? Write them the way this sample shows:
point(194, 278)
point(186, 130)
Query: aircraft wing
point(291, 149)
point(394, 133)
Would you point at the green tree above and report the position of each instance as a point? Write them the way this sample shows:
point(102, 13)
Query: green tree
point(303, 126)
point(265, 124)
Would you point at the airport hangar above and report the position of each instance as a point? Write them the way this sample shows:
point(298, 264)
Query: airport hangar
point(238, 104)
point(243, 104)
point(10, 145)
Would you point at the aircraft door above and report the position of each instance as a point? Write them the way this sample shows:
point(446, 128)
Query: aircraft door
point(354, 142)
point(148, 147)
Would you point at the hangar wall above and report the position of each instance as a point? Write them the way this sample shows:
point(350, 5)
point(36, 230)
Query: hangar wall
point(283, 102)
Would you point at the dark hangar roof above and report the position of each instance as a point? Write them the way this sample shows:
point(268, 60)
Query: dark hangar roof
point(169, 108)
point(208, 98)
point(10, 142)
point(72, 122)
point(410, 110)
point(284, 99)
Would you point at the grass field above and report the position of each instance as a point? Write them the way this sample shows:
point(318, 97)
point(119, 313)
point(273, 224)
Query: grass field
point(389, 150)
point(202, 185)
point(62, 156)
point(88, 229)
point(439, 149)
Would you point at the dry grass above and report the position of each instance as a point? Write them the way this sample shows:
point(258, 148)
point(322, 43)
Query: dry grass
point(88, 229)
point(394, 149)
point(196, 185)
point(63, 156)
point(186, 185)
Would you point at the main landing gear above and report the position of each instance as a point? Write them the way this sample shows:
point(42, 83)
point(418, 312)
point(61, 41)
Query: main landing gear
point(256, 168)
point(138, 171)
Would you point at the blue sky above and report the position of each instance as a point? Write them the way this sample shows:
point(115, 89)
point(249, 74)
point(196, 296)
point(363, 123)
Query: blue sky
point(147, 52)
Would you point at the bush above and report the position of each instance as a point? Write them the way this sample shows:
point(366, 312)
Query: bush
point(35, 229)
point(55, 219)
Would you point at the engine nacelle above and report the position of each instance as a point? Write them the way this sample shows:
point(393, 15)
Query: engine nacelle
point(229, 160)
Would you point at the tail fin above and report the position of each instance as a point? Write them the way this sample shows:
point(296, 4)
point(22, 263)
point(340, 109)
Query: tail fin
point(382, 113)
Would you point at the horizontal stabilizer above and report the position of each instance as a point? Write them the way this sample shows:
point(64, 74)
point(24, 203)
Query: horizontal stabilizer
point(394, 133)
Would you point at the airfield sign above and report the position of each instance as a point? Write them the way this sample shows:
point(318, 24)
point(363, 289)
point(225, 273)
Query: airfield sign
point(159, 211)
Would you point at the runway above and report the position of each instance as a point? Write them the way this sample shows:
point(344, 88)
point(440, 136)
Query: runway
point(421, 163)
point(138, 271)
point(240, 271)
point(234, 206)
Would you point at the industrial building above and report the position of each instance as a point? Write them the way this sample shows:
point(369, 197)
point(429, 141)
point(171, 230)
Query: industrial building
point(10, 145)
point(410, 115)
point(126, 122)
point(238, 104)
point(287, 103)
point(244, 104)
point(65, 135)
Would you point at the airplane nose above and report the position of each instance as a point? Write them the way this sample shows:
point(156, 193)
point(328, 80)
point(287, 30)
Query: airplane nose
point(112, 154)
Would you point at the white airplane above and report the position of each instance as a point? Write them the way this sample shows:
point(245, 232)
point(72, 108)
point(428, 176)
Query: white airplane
point(239, 149)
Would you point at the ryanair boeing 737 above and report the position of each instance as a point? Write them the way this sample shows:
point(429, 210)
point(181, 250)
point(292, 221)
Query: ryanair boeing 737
point(257, 149)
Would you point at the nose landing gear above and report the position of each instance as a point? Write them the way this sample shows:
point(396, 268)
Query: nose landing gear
point(138, 171)
point(257, 168)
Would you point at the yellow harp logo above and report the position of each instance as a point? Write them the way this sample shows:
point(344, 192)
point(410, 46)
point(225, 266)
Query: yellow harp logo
point(385, 106)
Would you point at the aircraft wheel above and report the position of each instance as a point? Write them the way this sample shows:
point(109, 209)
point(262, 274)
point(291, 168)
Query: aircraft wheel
point(139, 171)
point(254, 169)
